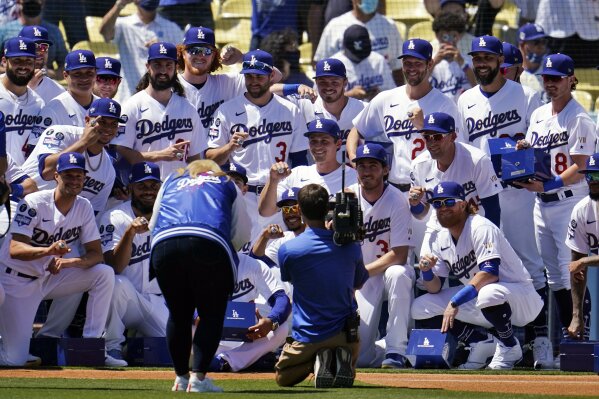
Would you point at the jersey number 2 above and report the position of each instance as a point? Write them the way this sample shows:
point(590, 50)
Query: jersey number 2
point(418, 146)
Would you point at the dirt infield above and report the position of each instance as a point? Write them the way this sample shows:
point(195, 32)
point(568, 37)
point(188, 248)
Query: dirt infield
point(536, 384)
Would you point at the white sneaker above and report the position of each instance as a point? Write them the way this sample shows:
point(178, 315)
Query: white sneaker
point(480, 352)
point(33, 361)
point(542, 352)
point(505, 356)
point(180, 384)
point(114, 358)
point(206, 385)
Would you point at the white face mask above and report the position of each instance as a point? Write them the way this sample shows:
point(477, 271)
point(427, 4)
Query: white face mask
point(369, 6)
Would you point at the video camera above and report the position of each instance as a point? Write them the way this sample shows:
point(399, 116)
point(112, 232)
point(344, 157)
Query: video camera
point(348, 225)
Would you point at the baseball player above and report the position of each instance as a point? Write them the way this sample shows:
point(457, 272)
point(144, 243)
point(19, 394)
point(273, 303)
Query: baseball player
point(564, 130)
point(511, 67)
point(497, 107)
point(583, 241)
point(160, 125)
point(136, 300)
point(48, 225)
point(45, 87)
point(19, 104)
point(108, 78)
point(269, 333)
point(323, 139)
point(70, 107)
point(388, 226)
point(475, 251)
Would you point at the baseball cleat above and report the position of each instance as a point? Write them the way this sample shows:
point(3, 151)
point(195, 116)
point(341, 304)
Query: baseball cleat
point(542, 351)
point(480, 352)
point(323, 374)
point(180, 384)
point(205, 385)
point(344, 377)
point(394, 361)
point(114, 358)
point(505, 356)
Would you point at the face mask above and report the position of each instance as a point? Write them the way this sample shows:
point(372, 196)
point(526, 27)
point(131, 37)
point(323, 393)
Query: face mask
point(534, 58)
point(31, 9)
point(293, 58)
point(369, 6)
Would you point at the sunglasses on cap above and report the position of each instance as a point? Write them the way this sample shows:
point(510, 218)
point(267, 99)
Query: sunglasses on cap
point(447, 202)
point(592, 177)
point(107, 79)
point(42, 47)
point(262, 66)
point(287, 209)
point(553, 78)
point(199, 50)
point(434, 137)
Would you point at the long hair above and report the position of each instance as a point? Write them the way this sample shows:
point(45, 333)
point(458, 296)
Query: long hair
point(216, 61)
point(202, 166)
point(144, 82)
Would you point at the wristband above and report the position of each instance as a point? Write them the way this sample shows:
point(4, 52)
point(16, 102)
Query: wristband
point(289, 89)
point(428, 275)
point(16, 190)
point(417, 209)
point(464, 295)
point(557, 182)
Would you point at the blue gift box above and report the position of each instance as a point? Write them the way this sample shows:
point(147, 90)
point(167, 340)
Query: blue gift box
point(69, 351)
point(579, 356)
point(525, 164)
point(430, 349)
point(148, 351)
point(238, 318)
point(498, 147)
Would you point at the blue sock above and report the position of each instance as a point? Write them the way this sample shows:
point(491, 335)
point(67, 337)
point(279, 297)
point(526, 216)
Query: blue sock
point(538, 327)
point(563, 298)
point(500, 317)
point(467, 333)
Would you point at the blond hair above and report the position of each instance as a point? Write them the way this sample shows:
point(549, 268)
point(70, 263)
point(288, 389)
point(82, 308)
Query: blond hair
point(201, 166)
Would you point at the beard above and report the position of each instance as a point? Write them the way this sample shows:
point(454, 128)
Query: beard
point(18, 80)
point(162, 85)
point(487, 80)
point(594, 196)
point(140, 206)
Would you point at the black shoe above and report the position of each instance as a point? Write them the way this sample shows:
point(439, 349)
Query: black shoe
point(323, 375)
point(344, 378)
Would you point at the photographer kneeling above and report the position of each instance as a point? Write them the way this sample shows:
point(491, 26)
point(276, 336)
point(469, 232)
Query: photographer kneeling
point(325, 319)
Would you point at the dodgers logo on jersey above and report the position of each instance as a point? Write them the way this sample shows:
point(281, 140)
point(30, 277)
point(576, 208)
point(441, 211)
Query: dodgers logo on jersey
point(42, 238)
point(462, 267)
point(375, 228)
point(241, 288)
point(263, 132)
point(491, 124)
point(206, 111)
point(21, 122)
point(92, 185)
point(593, 243)
point(367, 82)
point(549, 141)
point(398, 127)
point(168, 128)
point(141, 252)
point(380, 43)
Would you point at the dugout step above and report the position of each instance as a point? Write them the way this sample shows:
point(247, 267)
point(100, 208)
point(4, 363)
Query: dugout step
point(69, 351)
point(148, 352)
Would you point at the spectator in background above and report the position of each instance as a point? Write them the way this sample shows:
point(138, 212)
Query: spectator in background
point(108, 78)
point(575, 32)
point(8, 11)
point(72, 14)
point(528, 10)
point(482, 21)
point(283, 46)
point(44, 86)
point(532, 42)
point(133, 35)
point(452, 73)
point(511, 68)
point(30, 14)
point(384, 36)
point(187, 12)
point(367, 72)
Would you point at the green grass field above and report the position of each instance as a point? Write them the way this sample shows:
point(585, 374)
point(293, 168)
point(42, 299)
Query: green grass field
point(52, 388)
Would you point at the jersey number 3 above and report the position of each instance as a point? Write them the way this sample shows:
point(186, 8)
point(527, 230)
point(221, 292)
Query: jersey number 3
point(283, 146)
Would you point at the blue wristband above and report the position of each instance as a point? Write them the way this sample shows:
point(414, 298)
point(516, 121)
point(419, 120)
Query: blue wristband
point(16, 190)
point(417, 209)
point(289, 89)
point(428, 275)
point(557, 182)
point(464, 295)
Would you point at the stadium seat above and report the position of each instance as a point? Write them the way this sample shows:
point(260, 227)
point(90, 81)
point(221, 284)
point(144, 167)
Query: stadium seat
point(100, 49)
point(93, 28)
point(236, 9)
point(403, 29)
point(588, 80)
point(421, 30)
point(407, 11)
point(305, 53)
point(584, 98)
point(508, 15)
point(233, 30)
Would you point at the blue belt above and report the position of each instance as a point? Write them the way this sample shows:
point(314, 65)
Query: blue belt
point(16, 273)
point(255, 189)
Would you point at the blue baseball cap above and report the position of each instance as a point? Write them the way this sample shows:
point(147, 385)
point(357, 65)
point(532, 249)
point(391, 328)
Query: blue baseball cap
point(418, 48)
point(530, 31)
point(149, 5)
point(162, 50)
point(106, 107)
point(486, 44)
point(558, 65)
point(461, 2)
point(326, 126)
point(199, 35)
point(511, 54)
point(142, 171)
point(19, 47)
point(258, 61)
point(79, 59)
point(439, 122)
point(37, 33)
point(288, 195)
point(70, 160)
point(592, 164)
point(108, 66)
point(371, 151)
point(330, 67)
point(447, 189)
point(232, 168)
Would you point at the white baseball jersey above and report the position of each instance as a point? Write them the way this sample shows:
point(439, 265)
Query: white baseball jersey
point(532, 80)
point(13, 172)
point(583, 230)
point(504, 114)
point(38, 217)
point(345, 121)
point(571, 132)
point(275, 130)
point(387, 222)
point(216, 90)
point(151, 126)
point(303, 175)
point(272, 249)
point(384, 37)
point(371, 73)
point(450, 79)
point(479, 241)
point(62, 110)
point(113, 225)
point(100, 171)
point(20, 117)
point(48, 89)
point(254, 278)
point(387, 114)
point(471, 168)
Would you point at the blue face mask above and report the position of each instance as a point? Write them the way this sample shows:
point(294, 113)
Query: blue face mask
point(369, 6)
point(535, 58)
